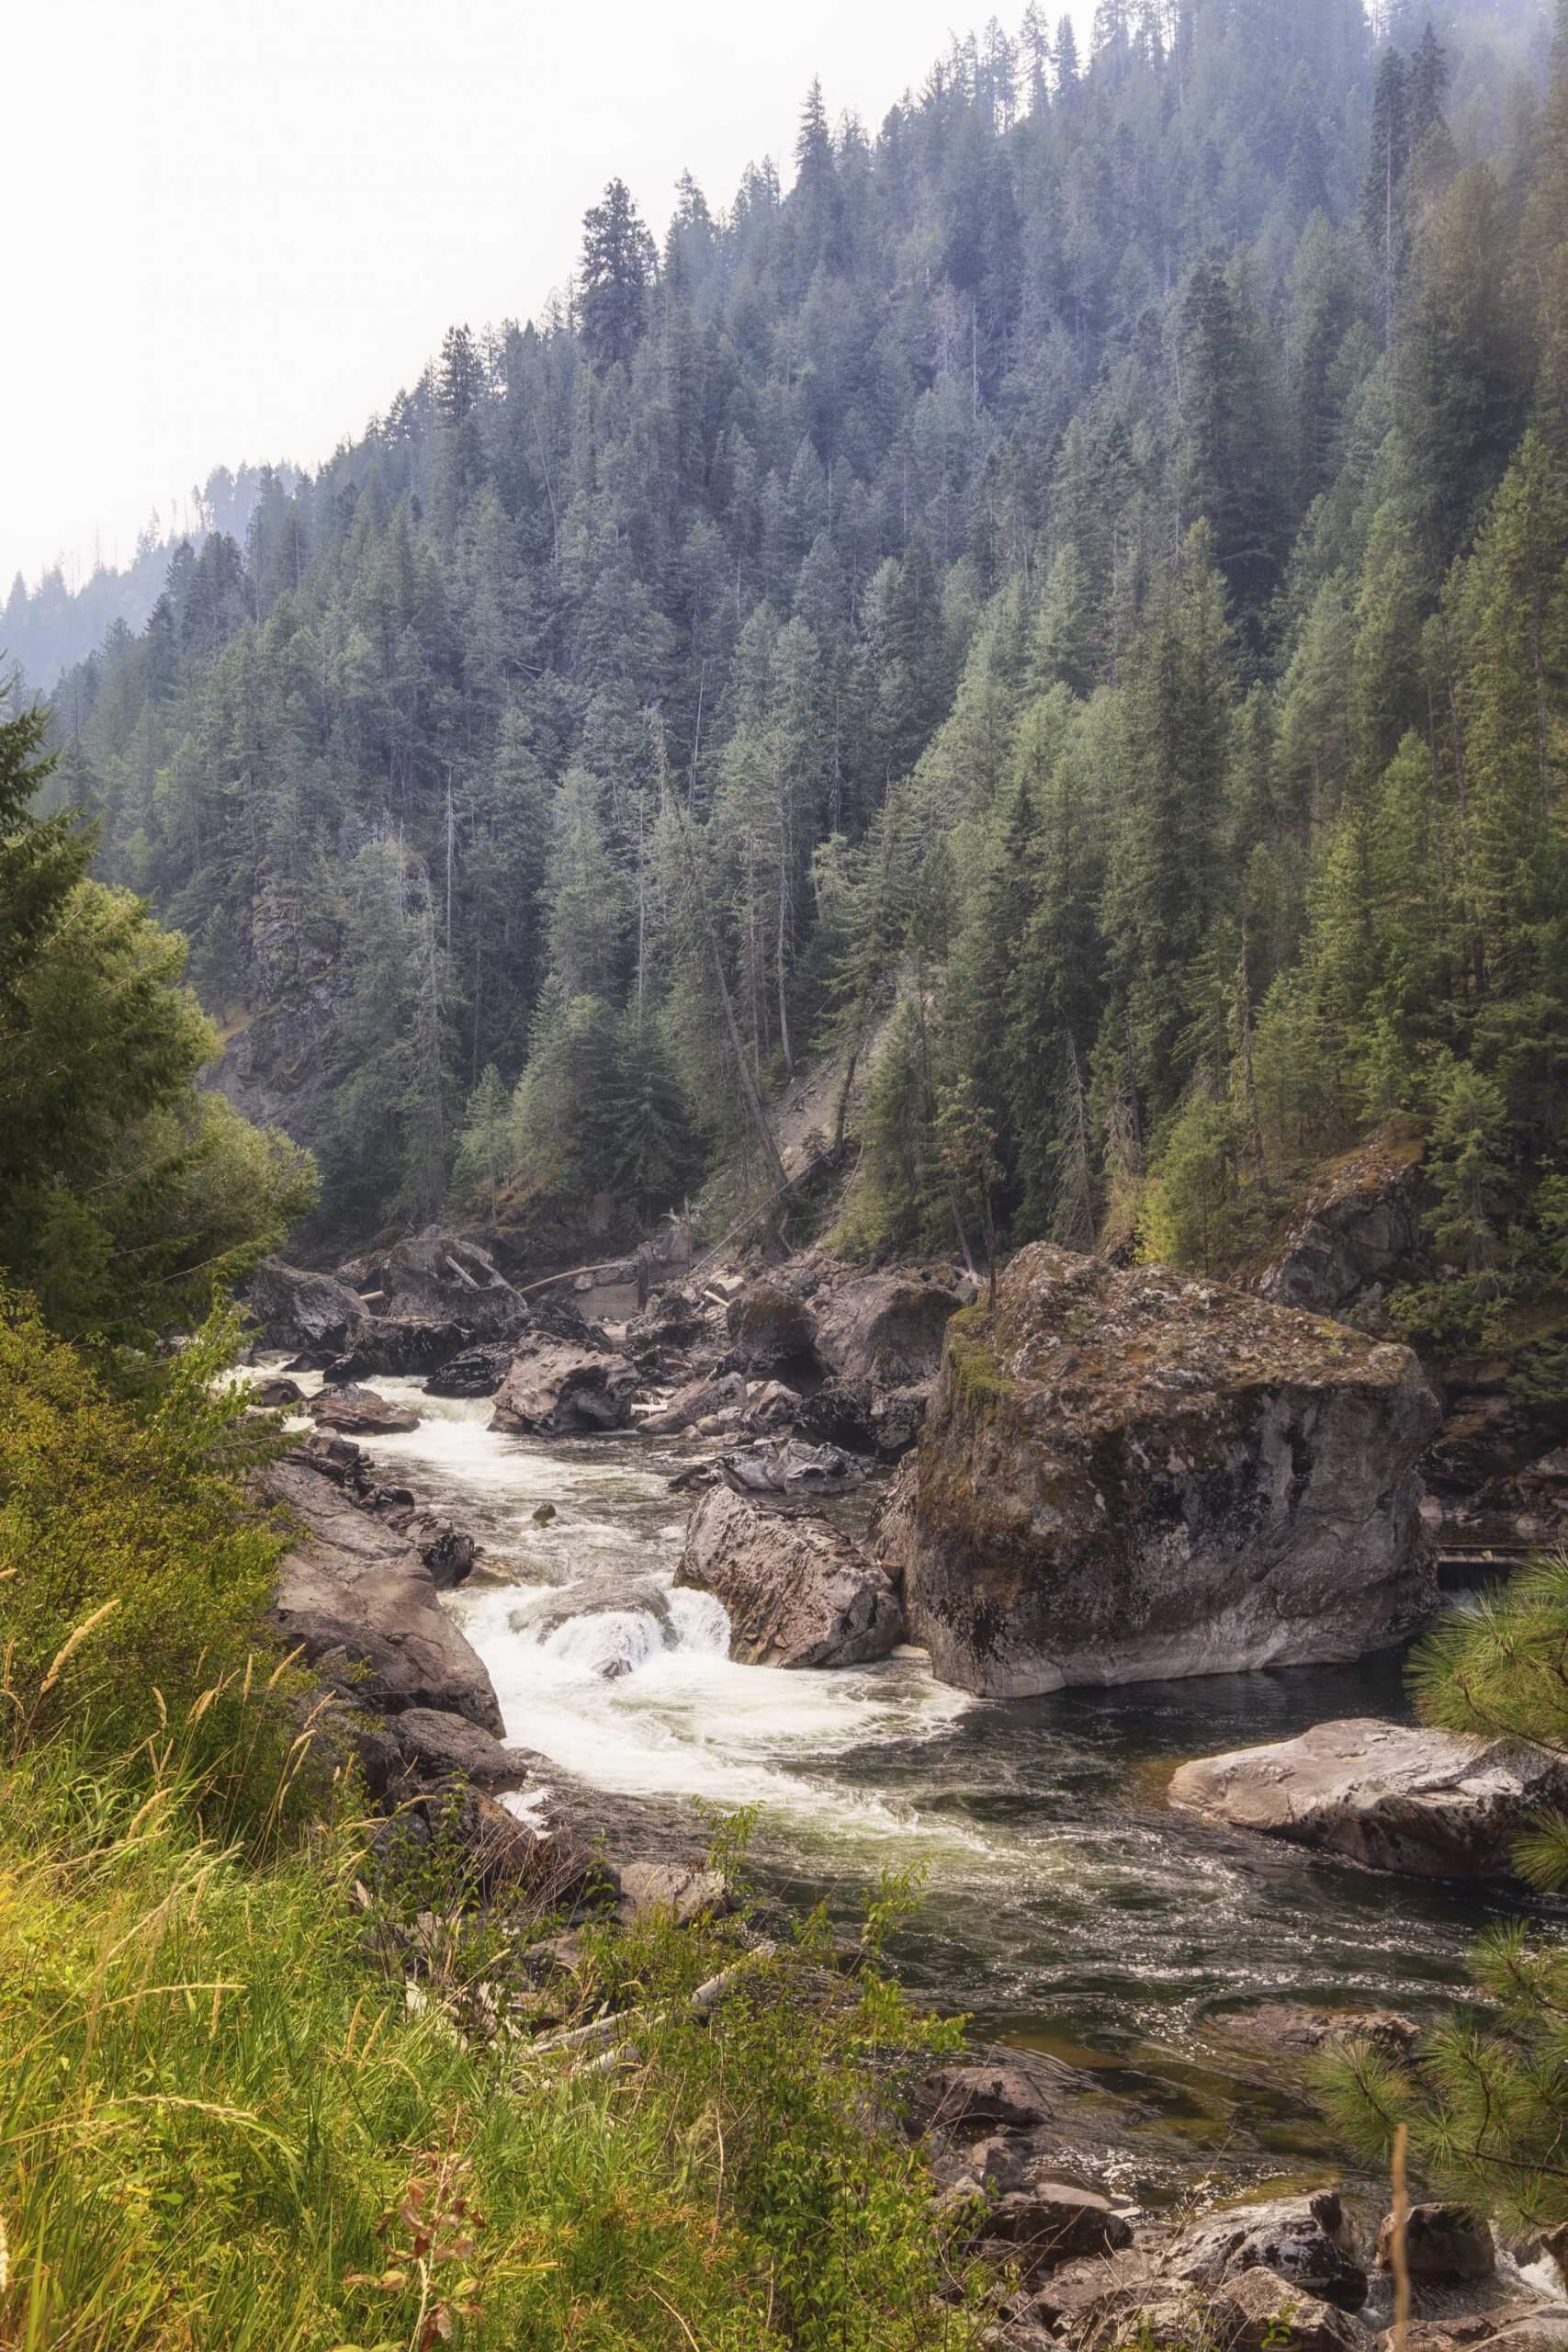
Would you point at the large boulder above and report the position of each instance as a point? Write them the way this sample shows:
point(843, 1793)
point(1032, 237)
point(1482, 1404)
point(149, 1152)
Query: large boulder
point(556, 1388)
point(437, 1276)
point(1306, 2240)
point(308, 1313)
point(478, 1370)
point(402, 1345)
point(360, 1412)
point(1131, 1475)
point(1446, 2244)
point(354, 1596)
point(1436, 1803)
point(1358, 1232)
point(799, 1593)
point(886, 1329)
point(772, 1333)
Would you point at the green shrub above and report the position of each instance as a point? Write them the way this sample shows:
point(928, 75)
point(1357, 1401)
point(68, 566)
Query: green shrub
point(133, 1573)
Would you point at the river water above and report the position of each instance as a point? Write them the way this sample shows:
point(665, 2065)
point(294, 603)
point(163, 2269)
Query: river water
point(1064, 1904)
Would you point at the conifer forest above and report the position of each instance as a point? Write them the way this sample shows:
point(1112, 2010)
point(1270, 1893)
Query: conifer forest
point(1071, 591)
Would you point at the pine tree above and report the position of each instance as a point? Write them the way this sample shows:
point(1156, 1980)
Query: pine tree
point(613, 277)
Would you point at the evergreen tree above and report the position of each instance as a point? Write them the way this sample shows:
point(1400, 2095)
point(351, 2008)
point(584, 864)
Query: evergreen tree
point(613, 277)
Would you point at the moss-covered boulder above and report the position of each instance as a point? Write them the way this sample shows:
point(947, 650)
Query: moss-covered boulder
point(1131, 1475)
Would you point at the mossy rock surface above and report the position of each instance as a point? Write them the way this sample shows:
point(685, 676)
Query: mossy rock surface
point(1127, 1475)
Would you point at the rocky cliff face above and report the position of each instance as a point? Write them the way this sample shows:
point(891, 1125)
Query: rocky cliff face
point(1126, 1477)
point(1359, 1234)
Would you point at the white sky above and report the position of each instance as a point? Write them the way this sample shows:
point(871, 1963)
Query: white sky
point(232, 231)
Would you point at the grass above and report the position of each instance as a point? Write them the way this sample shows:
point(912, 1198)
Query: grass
point(275, 2080)
point(228, 2123)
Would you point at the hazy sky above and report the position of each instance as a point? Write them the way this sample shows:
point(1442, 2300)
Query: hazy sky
point(232, 231)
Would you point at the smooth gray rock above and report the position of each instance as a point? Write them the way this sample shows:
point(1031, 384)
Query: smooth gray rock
point(555, 1388)
point(1126, 1477)
point(799, 1593)
point(353, 1594)
point(1434, 1803)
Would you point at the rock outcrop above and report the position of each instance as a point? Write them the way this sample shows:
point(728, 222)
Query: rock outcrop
point(437, 1276)
point(1358, 1233)
point(1131, 1475)
point(356, 1597)
point(798, 1592)
point(309, 1313)
point(1431, 1803)
point(557, 1388)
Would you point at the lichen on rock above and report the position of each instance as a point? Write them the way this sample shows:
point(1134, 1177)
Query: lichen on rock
point(1131, 1475)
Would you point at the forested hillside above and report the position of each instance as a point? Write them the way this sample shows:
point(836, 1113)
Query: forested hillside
point(49, 628)
point(1069, 600)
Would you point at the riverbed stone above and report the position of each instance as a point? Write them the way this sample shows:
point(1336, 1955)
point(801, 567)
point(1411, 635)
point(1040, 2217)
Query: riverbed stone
point(353, 1595)
point(557, 1389)
point(1053, 2222)
point(673, 1891)
point(1304, 2240)
point(1395, 1796)
point(1446, 2243)
point(354, 1412)
point(1129, 1475)
point(1013, 2090)
point(797, 1591)
point(435, 1743)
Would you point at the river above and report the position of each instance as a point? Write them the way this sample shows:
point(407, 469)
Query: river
point(1063, 1902)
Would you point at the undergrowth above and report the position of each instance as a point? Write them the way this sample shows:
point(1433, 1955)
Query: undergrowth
point(263, 2095)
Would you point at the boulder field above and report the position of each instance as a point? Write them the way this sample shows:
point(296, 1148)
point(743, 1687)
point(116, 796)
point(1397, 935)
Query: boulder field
point(1126, 1477)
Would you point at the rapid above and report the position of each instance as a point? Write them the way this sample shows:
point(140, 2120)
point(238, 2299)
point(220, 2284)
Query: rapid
point(1062, 1903)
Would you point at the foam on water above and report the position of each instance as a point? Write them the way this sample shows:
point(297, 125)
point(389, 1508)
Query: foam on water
point(1061, 1891)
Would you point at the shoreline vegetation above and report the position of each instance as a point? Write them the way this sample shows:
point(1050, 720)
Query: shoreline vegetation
point(1025, 678)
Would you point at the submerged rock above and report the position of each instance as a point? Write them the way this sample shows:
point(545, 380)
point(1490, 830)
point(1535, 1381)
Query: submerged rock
point(1131, 1475)
point(556, 1388)
point(798, 1592)
point(1436, 1803)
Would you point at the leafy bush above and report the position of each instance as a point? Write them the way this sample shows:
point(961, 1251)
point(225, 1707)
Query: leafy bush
point(132, 1571)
